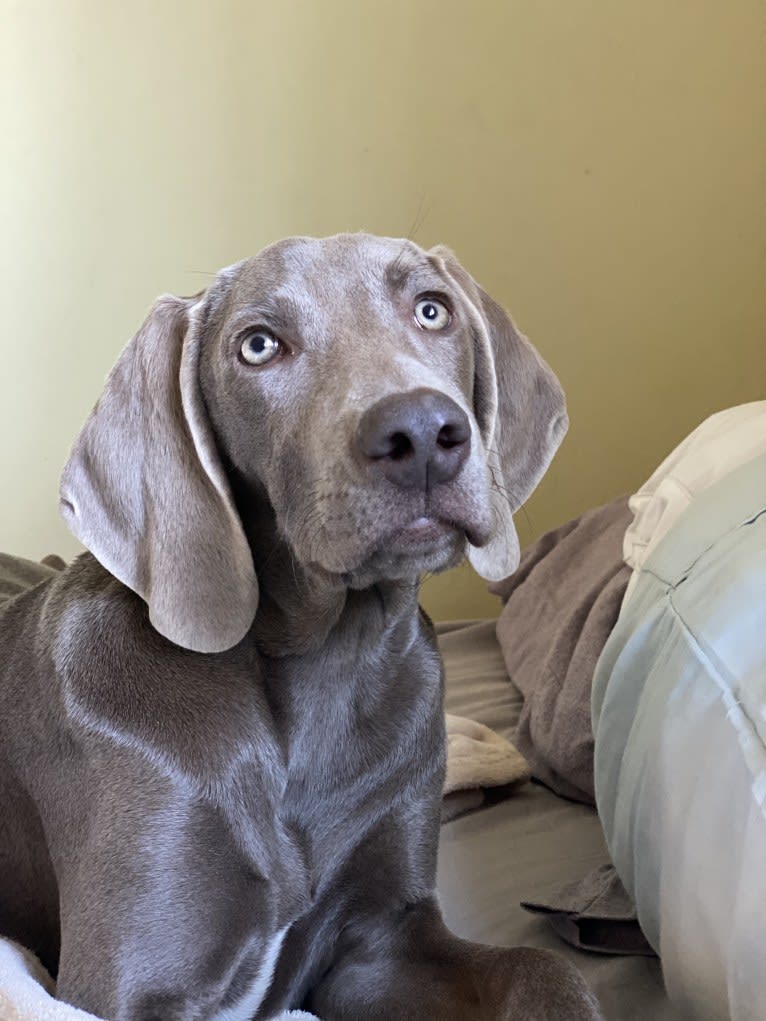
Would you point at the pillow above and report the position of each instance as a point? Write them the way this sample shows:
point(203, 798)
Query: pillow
point(679, 715)
point(719, 445)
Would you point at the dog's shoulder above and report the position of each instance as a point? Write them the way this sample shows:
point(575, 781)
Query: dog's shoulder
point(92, 626)
point(121, 682)
point(86, 601)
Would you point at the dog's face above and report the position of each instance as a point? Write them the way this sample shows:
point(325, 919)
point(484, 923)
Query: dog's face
point(342, 374)
point(383, 404)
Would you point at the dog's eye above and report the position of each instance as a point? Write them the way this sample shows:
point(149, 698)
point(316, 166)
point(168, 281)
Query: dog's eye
point(432, 314)
point(259, 347)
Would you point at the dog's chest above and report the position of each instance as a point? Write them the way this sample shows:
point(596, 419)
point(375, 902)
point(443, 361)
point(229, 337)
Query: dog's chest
point(357, 736)
point(349, 747)
point(245, 1005)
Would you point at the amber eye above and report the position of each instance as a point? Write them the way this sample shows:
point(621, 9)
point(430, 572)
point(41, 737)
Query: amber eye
point(259, 347)
point(432, 314)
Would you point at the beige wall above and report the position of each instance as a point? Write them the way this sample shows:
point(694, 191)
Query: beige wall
point(599, 166)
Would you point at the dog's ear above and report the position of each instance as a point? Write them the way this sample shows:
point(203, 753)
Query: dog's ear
point(144, 489)
point(521, 412)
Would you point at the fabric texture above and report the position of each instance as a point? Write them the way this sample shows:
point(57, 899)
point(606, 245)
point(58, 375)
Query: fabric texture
point(478, 757)
point(722, 442)
point(680, 752)
point(560, 607)
point(17, 574)
point(594, 913)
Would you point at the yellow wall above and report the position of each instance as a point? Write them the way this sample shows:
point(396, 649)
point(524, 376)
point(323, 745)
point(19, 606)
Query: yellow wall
point(599, 166)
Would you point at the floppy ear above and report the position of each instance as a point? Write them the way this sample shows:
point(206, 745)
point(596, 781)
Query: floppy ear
point(521, 412)
point(145, 491)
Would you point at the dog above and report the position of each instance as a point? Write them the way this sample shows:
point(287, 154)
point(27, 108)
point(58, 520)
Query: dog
point(222, 734)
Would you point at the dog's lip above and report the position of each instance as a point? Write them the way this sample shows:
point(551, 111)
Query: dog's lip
point(420, 536)
point(417, 537)
point(425, 529)
point(426, 532)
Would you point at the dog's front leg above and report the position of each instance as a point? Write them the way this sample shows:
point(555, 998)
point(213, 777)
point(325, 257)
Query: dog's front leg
point(167, 921)
point(413, 966)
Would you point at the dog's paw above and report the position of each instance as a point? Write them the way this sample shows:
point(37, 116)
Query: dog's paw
point(538, 985)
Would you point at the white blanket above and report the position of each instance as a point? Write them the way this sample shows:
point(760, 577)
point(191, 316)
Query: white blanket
point(477, 757)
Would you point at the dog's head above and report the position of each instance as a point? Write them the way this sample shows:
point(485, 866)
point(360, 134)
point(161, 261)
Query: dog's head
point(385, 405)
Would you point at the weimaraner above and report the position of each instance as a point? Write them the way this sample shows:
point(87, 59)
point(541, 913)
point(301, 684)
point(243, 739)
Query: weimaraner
point(221, 729)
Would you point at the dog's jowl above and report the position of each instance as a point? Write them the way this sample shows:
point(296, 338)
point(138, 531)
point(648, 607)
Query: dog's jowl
point(221, 727)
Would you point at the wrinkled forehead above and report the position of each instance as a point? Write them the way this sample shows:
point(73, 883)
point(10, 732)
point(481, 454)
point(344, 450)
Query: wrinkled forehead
point(304, 278)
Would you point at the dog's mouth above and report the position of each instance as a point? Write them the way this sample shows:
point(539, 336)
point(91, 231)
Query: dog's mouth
point(422, 534)
point(398, 538)
point(425, 544)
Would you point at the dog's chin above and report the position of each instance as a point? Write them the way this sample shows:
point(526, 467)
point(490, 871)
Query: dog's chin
point(424, 546)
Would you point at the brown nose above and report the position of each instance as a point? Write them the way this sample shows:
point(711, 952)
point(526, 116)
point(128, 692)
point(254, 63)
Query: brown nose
point(416, 439)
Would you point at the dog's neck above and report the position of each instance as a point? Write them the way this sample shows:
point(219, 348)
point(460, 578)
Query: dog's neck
point(299, 608)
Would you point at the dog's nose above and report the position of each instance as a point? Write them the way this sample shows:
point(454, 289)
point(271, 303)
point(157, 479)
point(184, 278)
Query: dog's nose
point(416, 439)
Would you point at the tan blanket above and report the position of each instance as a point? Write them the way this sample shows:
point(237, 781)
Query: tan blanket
point(560, 608)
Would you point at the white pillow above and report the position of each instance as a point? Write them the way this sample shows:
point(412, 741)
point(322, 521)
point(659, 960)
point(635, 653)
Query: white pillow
point(719, 445)
point(679, 714)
